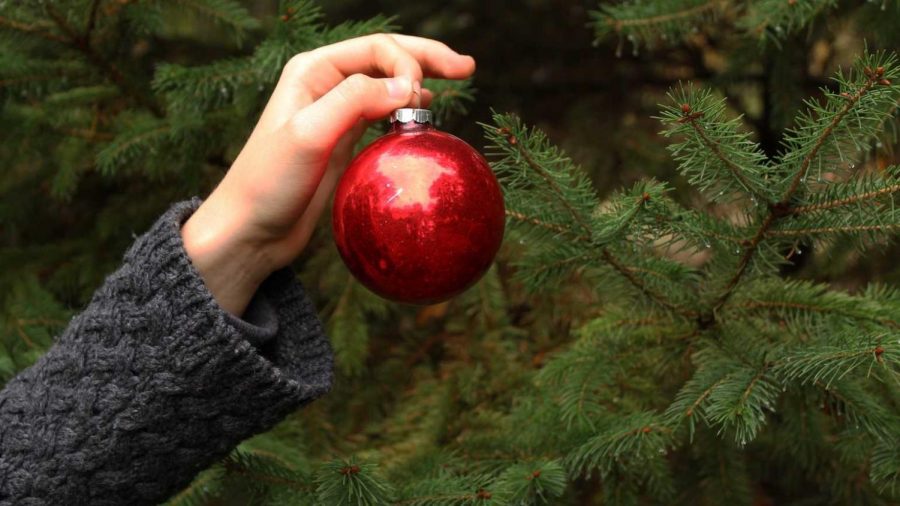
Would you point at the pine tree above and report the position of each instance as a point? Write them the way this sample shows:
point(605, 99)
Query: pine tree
point(641, 347)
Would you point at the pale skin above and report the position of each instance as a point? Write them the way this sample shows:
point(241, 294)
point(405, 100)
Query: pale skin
point(262, 214)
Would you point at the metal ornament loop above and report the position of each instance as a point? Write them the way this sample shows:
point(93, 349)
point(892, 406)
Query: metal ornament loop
point(406, 115)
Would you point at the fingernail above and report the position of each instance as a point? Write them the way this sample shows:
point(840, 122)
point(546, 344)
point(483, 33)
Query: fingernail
point(399, 87)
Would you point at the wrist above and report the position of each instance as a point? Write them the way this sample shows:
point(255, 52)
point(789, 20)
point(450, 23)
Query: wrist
point(219, 242)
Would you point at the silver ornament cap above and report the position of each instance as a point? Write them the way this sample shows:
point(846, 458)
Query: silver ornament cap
point(408, 114)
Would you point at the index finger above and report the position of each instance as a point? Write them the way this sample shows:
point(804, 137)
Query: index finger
point(379, 55)
point(311, 75)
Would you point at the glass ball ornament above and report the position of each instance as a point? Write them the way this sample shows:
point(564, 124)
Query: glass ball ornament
point(418, 215)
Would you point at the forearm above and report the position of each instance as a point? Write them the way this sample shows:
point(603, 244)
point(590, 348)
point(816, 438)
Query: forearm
point(154, 381)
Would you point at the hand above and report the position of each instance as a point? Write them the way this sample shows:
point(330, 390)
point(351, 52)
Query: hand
point(262, 214)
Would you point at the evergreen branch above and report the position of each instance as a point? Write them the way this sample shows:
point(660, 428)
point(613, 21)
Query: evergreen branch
point(885, 466)
point(823, 206)
point(539, 170)
point(549, 226)
point(111, 155)
point(517, 144)
point(785, 16)
point(450, 97)
point(716, 154)
point(778, 304)
point(851, 101)
point(197, 492)
point(638, 437)
point(225, 12)
point(636, 281)
point(807, 306)
point(833, 230)
point(280, 481)
point(82, 44)
point(744, 262)
point(691, 119)
point(649, 21)
point(668, 17)
point(31, 29)
point(860, 408)
point(827, 364)
point(873, 78)
point(453, 498)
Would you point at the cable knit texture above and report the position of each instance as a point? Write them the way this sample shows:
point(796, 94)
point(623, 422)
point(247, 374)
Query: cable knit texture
point(154, 382)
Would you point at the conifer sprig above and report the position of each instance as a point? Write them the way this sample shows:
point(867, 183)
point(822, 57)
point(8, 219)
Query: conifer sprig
point(717, 156)
point(648, 22)
point(568, 207)
point(776, 19)
point(851, 117)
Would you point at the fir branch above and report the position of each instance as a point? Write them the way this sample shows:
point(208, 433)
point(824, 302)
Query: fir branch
point(793, 298)
point(885, 466)
point(518, 144)
point(226, 13)
point(648, 21)
point(256, 467)
point(827, 364)
point(667, 17)
point(81, 43)
point(853, 199)
point(873, 72)
point(31, 29)
point(851, 101)
point(636, 281)
point(798, 306)
point(888, 227)
point(562, 229)
point(716, 155)
point(638, 438)
point(351, 483)
point(513, 141)
point(717, 151)
point(781, 18)
point(200, 491)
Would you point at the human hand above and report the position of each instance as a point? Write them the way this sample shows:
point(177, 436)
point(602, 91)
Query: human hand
point(264, 211)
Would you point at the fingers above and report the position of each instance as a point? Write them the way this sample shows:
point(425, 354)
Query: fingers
point(308, 76)
point(318, 127)
point(377, 55)
point(436, 57)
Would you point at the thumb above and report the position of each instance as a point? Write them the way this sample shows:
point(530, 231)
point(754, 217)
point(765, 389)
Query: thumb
point(320, 125)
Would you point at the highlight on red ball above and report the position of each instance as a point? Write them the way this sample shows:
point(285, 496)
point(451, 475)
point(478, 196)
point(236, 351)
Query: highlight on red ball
point(418, 215)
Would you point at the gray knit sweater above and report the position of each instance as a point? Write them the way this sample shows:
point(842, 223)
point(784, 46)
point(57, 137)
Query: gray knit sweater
point(153, 382)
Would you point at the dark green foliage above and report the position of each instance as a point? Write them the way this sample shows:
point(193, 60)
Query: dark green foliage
point(646, 344)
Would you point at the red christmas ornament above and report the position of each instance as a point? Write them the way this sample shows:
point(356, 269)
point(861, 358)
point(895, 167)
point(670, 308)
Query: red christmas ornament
point(418, 215)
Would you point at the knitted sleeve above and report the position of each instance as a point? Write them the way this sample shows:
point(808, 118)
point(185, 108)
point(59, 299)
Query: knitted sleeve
point(154, 382)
